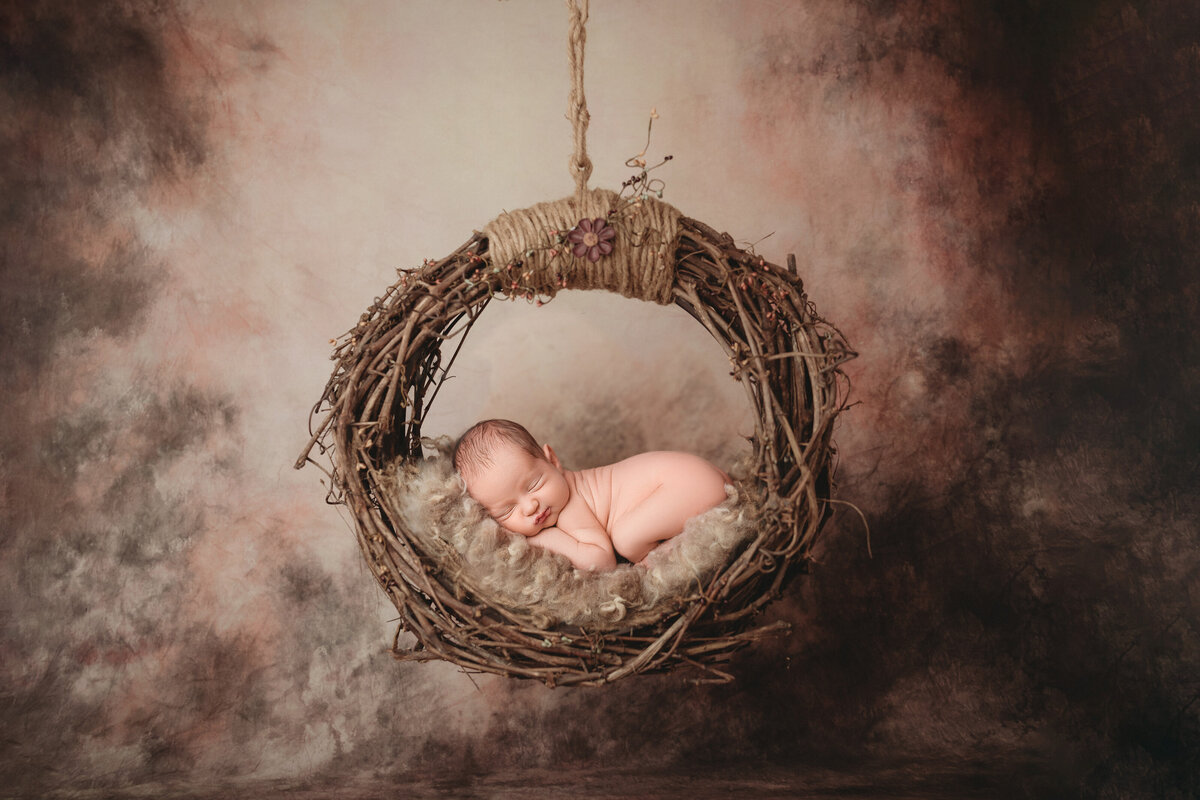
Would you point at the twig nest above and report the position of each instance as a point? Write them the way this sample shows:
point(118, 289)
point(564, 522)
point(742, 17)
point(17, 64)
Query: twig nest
point(389, 370)
point(542, 588)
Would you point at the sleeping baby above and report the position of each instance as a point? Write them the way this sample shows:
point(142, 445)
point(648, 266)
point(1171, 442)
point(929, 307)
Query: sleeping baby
point(592, 515)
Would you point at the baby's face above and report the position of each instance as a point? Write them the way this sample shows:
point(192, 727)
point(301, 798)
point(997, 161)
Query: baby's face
point(524, 494)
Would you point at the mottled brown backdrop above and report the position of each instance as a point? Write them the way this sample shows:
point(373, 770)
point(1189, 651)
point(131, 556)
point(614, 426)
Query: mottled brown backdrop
point(998, 202)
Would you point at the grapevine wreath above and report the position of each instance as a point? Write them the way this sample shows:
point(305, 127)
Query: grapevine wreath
point(390, 367)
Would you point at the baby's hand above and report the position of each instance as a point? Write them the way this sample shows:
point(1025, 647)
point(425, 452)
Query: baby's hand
point(586, 550)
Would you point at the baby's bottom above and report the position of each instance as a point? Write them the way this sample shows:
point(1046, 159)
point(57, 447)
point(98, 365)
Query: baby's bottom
point(686, 486)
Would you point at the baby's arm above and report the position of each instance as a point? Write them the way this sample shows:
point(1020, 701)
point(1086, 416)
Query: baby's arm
point(587, 549)
point(579, 536)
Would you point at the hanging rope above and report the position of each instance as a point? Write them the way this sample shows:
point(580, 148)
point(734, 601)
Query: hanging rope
point(581, 165)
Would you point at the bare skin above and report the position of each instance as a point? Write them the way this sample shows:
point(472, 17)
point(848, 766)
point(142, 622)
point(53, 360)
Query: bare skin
point(628, 508)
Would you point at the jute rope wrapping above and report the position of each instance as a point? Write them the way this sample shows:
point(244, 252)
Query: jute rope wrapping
point(392, 365)
point(647, 237)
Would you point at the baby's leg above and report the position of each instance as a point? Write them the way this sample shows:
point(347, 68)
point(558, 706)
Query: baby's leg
point(662, 514)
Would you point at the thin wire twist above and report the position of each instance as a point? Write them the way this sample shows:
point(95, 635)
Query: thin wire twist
point(580, 164)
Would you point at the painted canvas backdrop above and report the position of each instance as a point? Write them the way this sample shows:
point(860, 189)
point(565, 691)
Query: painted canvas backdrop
point(997, 204)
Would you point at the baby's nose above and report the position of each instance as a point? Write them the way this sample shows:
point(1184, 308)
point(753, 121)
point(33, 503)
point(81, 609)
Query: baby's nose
point(531, 505)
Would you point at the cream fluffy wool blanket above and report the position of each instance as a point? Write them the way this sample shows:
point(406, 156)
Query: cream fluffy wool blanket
point(478, 558)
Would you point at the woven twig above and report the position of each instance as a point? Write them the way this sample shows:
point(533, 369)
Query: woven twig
point(390, 367)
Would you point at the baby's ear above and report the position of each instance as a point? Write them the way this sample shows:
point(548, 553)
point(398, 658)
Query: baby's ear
point(551, 456)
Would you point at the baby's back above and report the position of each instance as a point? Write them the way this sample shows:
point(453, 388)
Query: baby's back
point(647, 498)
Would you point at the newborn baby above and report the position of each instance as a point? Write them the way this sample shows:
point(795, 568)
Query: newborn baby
point(630, 507)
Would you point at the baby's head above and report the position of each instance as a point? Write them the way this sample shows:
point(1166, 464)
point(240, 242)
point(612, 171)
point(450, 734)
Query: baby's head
point(519, 483)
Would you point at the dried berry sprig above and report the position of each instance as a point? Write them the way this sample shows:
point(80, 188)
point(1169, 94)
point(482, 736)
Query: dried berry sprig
point(640, 186)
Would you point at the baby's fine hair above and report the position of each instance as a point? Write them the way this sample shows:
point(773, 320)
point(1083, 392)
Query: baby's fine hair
point(474, 449)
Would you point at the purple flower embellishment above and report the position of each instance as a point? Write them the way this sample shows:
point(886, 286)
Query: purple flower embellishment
point(592, 239)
